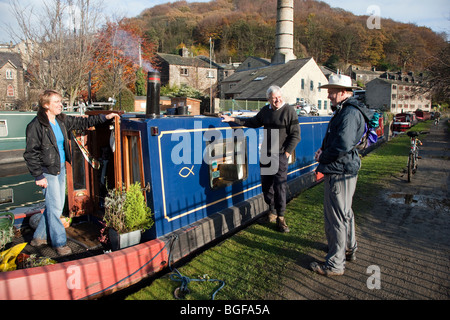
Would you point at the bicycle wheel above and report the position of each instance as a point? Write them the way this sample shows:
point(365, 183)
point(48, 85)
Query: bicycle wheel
point(410, 166)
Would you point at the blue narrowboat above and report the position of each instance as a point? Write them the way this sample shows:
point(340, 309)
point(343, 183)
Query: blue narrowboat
point(202, 181)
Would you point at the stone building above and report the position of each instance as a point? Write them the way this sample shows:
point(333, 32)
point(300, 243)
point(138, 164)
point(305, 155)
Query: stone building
point(178, 70)
point(397, 93)
point(12, 90)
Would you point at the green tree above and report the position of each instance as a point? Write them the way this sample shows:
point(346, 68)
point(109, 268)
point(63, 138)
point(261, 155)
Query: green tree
point(140, 83)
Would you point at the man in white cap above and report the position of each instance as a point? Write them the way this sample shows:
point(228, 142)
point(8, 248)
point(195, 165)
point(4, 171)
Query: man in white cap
point(339, 162)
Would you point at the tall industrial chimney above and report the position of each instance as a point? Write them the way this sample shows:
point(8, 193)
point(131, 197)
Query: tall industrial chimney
point(153, 91)
point(284, 41)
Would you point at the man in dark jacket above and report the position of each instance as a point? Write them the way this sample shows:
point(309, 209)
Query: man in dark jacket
point(47, 150)
point(282, 134)
point(339, 161)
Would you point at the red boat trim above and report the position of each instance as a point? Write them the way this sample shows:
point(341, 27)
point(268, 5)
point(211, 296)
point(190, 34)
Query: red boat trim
point(85, 278)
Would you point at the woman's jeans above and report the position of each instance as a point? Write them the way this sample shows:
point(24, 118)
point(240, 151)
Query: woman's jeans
point(50, 224)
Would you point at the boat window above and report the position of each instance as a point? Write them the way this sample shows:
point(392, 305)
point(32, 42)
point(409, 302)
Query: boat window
point(6, 196)
point(3, 128)
point(132, 157)
point(78, 167)
point(227, 162)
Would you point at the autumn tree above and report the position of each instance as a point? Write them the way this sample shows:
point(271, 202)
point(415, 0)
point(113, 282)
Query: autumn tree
point(375, 51)
point(120, 51)
point(59, 42)
point(316, 37)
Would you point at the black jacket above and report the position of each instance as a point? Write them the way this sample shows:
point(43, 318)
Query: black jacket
point(41, 153)
point(339, 155)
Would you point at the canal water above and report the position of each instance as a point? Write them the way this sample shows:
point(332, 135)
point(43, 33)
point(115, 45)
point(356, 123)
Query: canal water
point(17, 187)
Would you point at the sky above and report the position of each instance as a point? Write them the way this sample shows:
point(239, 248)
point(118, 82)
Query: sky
point(434, 14)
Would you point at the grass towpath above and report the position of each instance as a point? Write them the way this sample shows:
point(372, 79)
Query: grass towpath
point(252, 261)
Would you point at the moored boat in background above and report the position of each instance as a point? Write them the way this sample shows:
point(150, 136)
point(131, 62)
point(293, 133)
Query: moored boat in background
point(12, 135)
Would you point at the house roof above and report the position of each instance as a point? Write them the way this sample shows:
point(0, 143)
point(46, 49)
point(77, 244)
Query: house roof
point(398, 82)
point(327, 71)
point(252, 84)
point(368, 72)
point(12, 57)
point(175, 59)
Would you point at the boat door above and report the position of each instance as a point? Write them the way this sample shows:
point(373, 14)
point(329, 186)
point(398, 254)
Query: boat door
point(96, 155)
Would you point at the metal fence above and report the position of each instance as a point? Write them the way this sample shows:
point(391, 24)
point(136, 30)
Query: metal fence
point(230, 105)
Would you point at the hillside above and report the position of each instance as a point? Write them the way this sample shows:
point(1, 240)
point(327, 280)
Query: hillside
point(240, 28)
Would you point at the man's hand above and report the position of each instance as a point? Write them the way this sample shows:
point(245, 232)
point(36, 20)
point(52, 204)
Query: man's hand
point(42, 183)
point(226, 118)
point(317, 154)
point(109, 116)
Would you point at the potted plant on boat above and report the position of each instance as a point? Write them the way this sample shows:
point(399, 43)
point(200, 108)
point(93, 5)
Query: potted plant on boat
point(126, 216)
point(6, 228)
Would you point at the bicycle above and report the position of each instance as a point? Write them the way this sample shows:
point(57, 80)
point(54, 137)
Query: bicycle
point(413, 153)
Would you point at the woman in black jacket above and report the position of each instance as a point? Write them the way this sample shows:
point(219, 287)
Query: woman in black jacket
point(47, 150)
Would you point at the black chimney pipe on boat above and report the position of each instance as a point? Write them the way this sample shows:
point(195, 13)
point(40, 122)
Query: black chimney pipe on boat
point(153, 89)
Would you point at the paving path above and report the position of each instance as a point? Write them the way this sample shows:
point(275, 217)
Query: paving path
point(404, 244)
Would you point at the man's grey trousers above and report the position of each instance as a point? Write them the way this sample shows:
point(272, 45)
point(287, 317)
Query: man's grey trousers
point(339, 218)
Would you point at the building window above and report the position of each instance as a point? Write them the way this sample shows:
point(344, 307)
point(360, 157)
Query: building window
point(303, 84)
point(9, 74)
point(184, 72)
point(311, 85)
point(210, 74)
point(318, 87)
point(325, 105)
point(319, 104)
point(10, 91)
point(394, 96)
point(3, 128)
point(394, 87)
point(227, 162)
